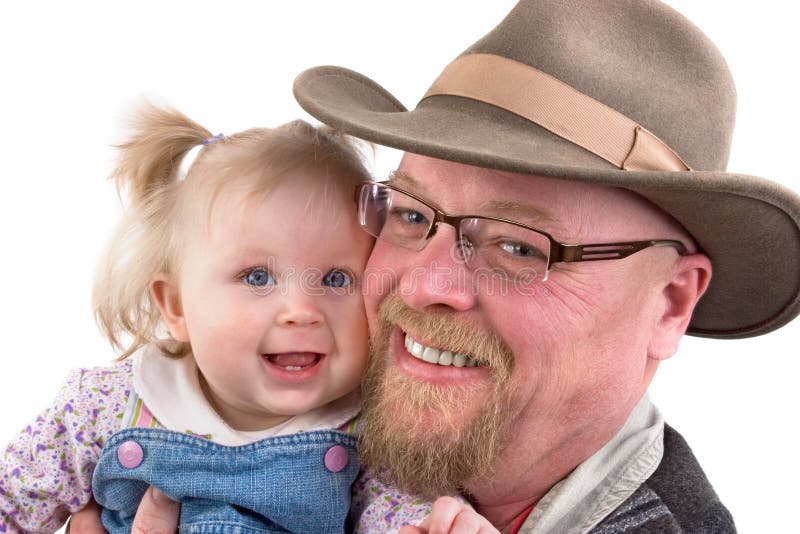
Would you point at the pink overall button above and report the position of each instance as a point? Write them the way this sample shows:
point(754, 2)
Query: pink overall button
point(336, 458)
point(130, 454)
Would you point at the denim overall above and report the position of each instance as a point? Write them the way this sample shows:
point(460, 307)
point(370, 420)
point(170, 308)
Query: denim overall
point(294, 483)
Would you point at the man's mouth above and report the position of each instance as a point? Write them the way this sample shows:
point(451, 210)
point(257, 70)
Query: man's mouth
point(439, 356)
point(294, 361)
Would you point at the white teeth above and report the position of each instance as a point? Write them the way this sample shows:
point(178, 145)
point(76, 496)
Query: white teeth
point(440, 357)
point(292, 367)
point(431, 355)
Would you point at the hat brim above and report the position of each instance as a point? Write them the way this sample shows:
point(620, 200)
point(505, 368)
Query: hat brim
point(748, 226)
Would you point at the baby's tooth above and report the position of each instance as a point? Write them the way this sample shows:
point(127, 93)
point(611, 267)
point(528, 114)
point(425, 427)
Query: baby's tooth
point(446, 358)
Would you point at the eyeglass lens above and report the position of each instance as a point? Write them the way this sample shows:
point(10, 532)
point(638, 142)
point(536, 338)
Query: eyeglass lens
point(498, 246)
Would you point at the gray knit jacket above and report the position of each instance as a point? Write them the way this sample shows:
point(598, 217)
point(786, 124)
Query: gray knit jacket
point(676, 498)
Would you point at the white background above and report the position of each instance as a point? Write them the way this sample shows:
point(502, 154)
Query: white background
point(71, 70)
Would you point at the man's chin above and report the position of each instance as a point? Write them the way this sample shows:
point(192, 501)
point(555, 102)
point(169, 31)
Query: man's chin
point(424, 412)
point(430, 440)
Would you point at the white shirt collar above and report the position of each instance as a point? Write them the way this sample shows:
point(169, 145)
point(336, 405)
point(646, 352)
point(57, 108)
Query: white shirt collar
point(604, 480)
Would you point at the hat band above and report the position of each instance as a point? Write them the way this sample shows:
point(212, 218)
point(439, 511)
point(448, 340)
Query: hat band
point(557, 107)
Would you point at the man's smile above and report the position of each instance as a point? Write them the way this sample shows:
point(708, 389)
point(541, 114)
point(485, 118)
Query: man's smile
point(439, 356)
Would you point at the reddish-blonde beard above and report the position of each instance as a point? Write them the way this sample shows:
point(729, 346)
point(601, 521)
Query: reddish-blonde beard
point(430, 439)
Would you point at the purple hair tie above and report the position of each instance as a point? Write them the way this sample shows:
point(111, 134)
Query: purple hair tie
point(212, 139)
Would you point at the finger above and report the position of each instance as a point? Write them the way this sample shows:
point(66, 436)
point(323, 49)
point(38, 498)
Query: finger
point(488, 528)
point(467, 522)
point(443, 513)
point(157, 514)
point(470, 522)
point(86, 520)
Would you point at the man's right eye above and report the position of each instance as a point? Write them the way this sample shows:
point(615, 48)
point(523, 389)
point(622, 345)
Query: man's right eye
point(258, 278)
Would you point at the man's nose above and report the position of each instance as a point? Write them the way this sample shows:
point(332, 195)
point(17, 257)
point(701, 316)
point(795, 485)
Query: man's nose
point(437, 275)
point(300, 307)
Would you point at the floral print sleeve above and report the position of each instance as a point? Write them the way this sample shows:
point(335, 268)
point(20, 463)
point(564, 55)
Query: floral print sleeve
point(46, 472)
point(379, 507)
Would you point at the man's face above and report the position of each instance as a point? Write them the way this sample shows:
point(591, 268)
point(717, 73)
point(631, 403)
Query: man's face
point(559, 364)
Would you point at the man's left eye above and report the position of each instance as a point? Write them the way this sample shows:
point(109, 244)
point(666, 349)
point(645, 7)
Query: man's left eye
point(337, 278)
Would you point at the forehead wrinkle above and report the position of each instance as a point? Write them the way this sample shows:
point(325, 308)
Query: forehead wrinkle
point(520, 212)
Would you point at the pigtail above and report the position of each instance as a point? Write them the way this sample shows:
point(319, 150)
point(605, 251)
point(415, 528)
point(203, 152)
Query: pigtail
point(145, 242)
point(150, 159)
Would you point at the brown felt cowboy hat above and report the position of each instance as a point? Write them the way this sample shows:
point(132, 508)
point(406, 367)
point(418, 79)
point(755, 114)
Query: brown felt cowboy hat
point(626, 93)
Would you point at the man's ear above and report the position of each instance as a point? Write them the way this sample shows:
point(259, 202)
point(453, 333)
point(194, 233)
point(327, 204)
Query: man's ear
point(689, 281)
point(166, 294)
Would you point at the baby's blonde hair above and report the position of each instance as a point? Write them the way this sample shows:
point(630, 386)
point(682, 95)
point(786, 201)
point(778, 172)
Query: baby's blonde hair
point(150, 236)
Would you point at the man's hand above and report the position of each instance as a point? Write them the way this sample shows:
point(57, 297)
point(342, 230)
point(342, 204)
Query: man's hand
point(86, 520)
point(449, 516)
point(157, 514)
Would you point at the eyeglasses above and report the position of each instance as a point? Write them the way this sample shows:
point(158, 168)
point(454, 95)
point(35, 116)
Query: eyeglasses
point(514, 250)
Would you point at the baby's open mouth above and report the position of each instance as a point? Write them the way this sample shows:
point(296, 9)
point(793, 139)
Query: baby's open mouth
point(294, 361)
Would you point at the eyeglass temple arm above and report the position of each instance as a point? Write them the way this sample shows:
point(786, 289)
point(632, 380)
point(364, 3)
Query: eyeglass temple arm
point(609, 251)
point(357, 192)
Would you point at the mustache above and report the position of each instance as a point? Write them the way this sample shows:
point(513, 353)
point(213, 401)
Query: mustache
point(448, 331)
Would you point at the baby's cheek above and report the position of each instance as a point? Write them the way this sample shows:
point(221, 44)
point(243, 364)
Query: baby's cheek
point(352, 324)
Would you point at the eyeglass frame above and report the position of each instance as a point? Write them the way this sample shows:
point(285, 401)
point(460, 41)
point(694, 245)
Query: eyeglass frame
point(559, 252)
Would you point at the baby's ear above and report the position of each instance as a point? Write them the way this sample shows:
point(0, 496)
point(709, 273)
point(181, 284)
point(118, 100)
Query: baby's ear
point(168, 299)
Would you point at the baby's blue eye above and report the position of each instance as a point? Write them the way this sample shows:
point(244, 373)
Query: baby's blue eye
point(337, 278)
point(258, 278)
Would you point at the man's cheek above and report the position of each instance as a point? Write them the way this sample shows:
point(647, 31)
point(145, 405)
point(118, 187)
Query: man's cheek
point(381, 278)
point(371, 303)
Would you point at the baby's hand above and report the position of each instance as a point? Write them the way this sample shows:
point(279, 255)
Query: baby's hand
point(448, 516)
